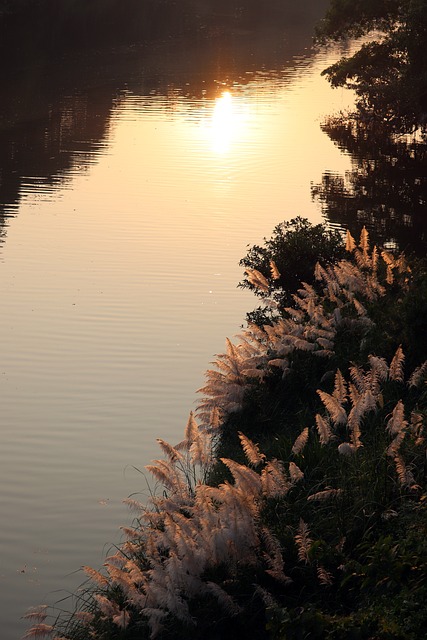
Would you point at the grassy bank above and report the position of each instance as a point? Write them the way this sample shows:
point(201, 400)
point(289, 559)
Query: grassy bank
point(295, 505)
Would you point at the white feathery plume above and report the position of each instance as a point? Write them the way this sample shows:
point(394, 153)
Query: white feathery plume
point(358, 378)
point(215, 418)
point(251, 450)
point(320, 496)
point(131, 533)
point(135, 573)
point(192, 429)
point(300, 442)
point(323, 429)
point(402, 265)
point(394, 446)
point(390, 274)
point(121, 619)
point(224, 599)
point(170, 451)
point(379, 366)
point(201, 450)
point(135, 505)
point(257, 279)
point(360, 309)
point(387, 257)
point(325, 578)
point(325, 343)
point(106, 607)
point(333, 406)
point(303, 541)
point(319, 272)
point(275, 273)
point(273, 479)
point(416, 423)
point(365, 402)
point(374, 258)
point(340, 388)
point(295, 473)
point(364, 240)
point(418, 375)
point(95, 576)
point(40, 630)
point(362, 258)
point(244, 478)
point(85, 617)
point(38, 613)
point(162, 472)
point(118, 577)
point(353, 393)
point(396, 365)
point(397, 422)
point(273, 556)
point(281, 363)
point(405, 476)
point(350, 243)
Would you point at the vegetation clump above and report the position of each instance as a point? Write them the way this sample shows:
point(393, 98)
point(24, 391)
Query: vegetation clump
point(389, 72)
point(295, 505)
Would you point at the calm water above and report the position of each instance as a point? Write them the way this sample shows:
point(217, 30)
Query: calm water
point(131, 185)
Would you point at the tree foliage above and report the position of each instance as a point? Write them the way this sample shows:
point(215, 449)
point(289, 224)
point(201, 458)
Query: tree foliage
point(294, 248)
point(389, 72)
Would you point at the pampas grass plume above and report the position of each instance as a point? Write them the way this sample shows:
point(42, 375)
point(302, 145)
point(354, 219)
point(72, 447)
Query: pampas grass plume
point(300, 442)
point(251, 450)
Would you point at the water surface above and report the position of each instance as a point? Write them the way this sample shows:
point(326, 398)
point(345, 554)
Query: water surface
point(131, 184)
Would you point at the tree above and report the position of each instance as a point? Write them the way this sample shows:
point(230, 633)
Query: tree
point(294, 248)
point(389, 72)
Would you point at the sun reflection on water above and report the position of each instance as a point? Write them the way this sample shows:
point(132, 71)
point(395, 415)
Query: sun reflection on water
point(225, 123)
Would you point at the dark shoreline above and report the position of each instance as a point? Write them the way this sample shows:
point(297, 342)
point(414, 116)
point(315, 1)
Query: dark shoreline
point(48, 27)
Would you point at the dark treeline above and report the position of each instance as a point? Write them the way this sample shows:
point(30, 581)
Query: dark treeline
point(53, 24)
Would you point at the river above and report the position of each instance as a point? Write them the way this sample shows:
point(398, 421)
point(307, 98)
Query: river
point(132, 182)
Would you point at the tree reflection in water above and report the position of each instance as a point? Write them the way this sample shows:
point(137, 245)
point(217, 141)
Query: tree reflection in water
point(386, 190)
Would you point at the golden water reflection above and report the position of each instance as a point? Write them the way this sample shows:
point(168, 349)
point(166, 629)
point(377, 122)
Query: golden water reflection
point(226, 123)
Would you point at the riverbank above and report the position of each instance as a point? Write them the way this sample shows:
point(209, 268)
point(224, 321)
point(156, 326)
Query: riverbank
point(295, 505)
